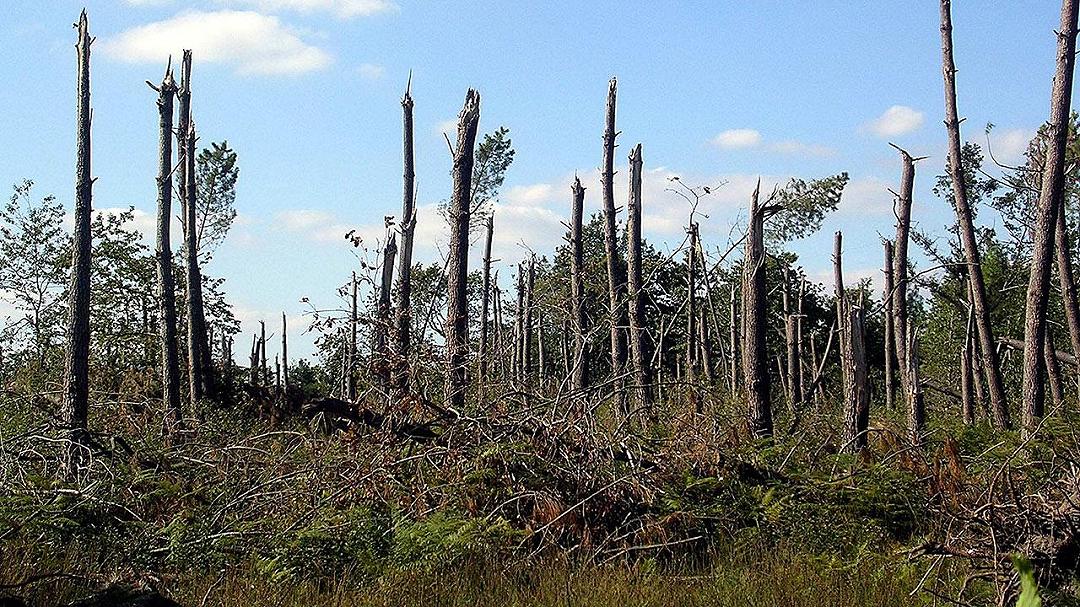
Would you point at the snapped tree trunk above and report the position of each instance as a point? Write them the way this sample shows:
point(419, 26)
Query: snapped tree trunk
point(636, 285)
point(849, 323)
point(890, 334)
point(1069, 298)
point(349, 360)
point(284, 354)
point(916, 404)
point(692, 348)
point(898, 294)
point(77, 351)
point(170, 363)
point(382, 323)
point(967, 397)
point(579, 371)
point(755, 356)
point(457, 303)
point(733, 341)
point(403, 311)
point(791, 372)
point(991, 364)
point(1051, 201)
point(527, 324)
point(615, 272)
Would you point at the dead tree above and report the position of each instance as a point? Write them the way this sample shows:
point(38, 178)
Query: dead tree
point(733, 340)
point(889, 327)
point(485, 303)
point(527, 324)
point(76, 366)
point(913, 389)
point(704, 336)
point(519, 327)
point(382, 323)
point(991, 363)
point(755, 359)
point(967, 373)
point(457, 313)
point(349, 360)
point(1053, 370)
point(898, 293)
point(1051, 201)
point(170, 364)
point(1069, 298)
point(791, 345)
point(636, 285)
point(264, 370)
point(403, 312)
point(693, 350)
point(615, 271)
point(849, 324)
point(579, 370)
point(284, 354)
point(253, 366)
point(199, 364)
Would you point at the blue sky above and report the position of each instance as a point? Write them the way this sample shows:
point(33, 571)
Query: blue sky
point(307, 92)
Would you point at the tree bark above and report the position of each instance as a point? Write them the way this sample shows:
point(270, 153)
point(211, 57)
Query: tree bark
point(1051, 201)
point(170, 363)
point(349, 361)
point(403, 312)
point(457, 313)
point(849, 324)
point(692, 348)
point(791, 372)
point(967, 398)
point(900, 266)
point(733, 341)
point(382, 323)
point(76, 354)
point(1069, 298)
point(916, 404)
point(1053, 370)
point(890, 335)
point(284, 354)
point(615, 271)
point(527, 324)
point(755, 357)
point(579, 370)
point(638, 343)
point(991, 364)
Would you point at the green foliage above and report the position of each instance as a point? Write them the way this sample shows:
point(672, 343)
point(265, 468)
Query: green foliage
point(802, 206)
point(216, 175)
point(1029, 590)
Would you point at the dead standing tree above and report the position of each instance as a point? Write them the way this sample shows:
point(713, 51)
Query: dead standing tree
point(403, 312)
point(1051, 201)
point(485, 303)
point(898, 293)
point(579, 370)
point(755, 360)
point(382, 320)
point(170, 364)
point(457, 313)
point(638, 339)
point(76, 366)
point(889, 327)
point(615, 271)
point(849, 323)
point(200, 367)
point(991, 362)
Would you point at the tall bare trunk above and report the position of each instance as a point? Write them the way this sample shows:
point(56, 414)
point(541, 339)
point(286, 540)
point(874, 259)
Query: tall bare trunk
point(733, 341)
point(457, 313)
point(349, 360)
point(615, 272)
point(77, 351)
point(967, 399)
point(638, 344)
point(579, 371)
point(284, 354)
point(916, 404)
point(382, 323)
point(170, 365)
point(890, 333)
point(898, 293)
point(1051, 201)
point(992, 366)
point(693, 350)
point(527, 324)
point(1053, 370)
point(849, 322)
point(263, 368)
point(755, 357)
point(403, 313)
point(791, 372)
point(485, 300)
point(1069, 297)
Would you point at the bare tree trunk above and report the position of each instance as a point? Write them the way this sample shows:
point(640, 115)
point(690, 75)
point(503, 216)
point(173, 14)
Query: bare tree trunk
point(916, 404)
point(733, 341)
point(485, 298)
point(849, 323)
point(900, 265)
point(200, 365)
point(1053, 370)
point(541, 350)
point(457, 313)
point(992, 366)
point(890, 335)
point(967, 399)
point(284, 354)
point(802, 377)
point(638, 345)
point(349, 361)
point(1051, 201)
point(77, 352)
point(403, 313)
point(382, 323)
point(527, 324)
point(579, 372)
point(755, 357)
point(519, 326)
point(170, 379)
point(615, 271)
point(1069, 298)
point(262, 354)
point(692, 347)
point(253, 364)
point(794, 385)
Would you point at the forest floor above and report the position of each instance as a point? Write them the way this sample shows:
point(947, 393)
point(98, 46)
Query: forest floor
point(515, 506)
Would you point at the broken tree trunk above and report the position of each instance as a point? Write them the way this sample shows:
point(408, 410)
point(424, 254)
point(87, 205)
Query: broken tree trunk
point(349, 361)
point(967, 398)
point(791, 372)
point(170, 357)
point(284, 354)
point(403, 312)
point(849, 324)
point(991, 363)
point(916, 404)
point(579, 371)
point(1053, 370)
point(755, 356)
point(898, 294)
point(382, 323)
point(457, 303)
point(615, 272)
point(485, 301)
point(890, 335)
point(527, 324)
point(733, 341)
point(636, 286)
point(77, 350)
point(1051, 201)
point(692, 348)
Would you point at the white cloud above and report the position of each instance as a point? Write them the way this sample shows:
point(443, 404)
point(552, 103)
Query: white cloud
point(342, 9)
point(737, 139)
point(303, 219)
point(1010, 145)
point(447, 127)
point(528, 195)
point(248, 42)
point(798, 148)
point(897, 120)
point(867, 195)
point(370, 71)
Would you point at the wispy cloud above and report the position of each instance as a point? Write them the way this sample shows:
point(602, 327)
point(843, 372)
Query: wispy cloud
point(733, 139)
point(1010, 145)
point(897, 120)
point(249, 42)
point(370, 71)
point(342, 9)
